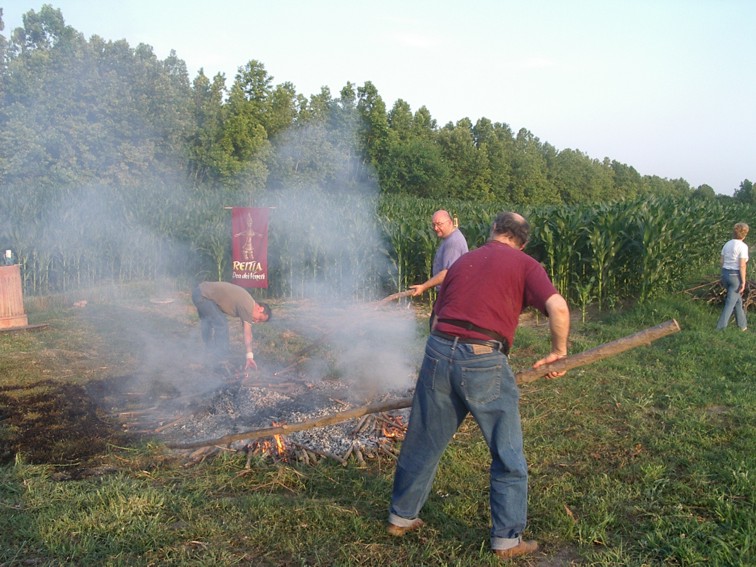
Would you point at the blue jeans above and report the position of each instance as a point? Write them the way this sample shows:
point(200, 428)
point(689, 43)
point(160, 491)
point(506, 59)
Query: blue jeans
point(453, 382)
point(733, 302)
point(213, 325)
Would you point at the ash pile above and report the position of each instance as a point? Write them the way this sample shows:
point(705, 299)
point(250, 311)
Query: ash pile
point(335, 360)
point(252, 418)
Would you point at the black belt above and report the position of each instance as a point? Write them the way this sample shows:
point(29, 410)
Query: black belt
point(502, 347)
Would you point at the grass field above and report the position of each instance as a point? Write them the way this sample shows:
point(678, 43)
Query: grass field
point(646, 458)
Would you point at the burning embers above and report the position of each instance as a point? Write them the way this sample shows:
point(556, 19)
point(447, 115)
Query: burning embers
point(275, 448)
point(393, 427)
point(370, 436)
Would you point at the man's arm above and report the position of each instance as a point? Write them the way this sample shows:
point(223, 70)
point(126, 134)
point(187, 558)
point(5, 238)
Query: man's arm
point(559, 325)
point(742, 274)
point(438, 279)
point(248, 344)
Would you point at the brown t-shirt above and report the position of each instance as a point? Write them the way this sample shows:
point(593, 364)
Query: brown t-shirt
point(232, 299)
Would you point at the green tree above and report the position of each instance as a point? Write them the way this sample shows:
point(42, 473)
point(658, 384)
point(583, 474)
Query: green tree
point(373, 125)
point(282, 109)
point(206, 156)
point(414, 166)
point(705, 192)
point(3, 50)
point(530, 183)
point(579, 179)
point(469, 171)
point(745, 193)
point(423, 124)
point(318, 108)
point(75, 111)
point(401, 121)
point(413, 163)
point(497, 143)
point(245, 138)
point(41, 31)
point(628, 183)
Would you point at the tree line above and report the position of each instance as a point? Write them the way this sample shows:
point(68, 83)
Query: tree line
point(115, 166)
point(78, 111)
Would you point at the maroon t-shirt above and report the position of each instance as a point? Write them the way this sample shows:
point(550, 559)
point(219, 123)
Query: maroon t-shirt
point(489, 287)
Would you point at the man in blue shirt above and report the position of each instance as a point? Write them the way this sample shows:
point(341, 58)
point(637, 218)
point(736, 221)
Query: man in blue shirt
point(453, 245)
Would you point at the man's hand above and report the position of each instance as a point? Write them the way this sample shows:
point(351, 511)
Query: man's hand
point(251, 364)
point(416, 290)
point(552, 357)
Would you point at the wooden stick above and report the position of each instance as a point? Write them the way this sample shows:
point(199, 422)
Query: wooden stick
point(600, 352)
point(398, 295)
point(358, 455)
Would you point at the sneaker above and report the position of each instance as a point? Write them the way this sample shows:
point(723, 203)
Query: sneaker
point(399, 531)
point(522, 548)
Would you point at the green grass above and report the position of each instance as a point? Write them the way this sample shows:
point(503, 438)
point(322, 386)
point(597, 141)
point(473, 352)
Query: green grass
point(646, 458)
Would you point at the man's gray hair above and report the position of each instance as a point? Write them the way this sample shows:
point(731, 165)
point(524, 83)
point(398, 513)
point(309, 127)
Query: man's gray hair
point(513, 225)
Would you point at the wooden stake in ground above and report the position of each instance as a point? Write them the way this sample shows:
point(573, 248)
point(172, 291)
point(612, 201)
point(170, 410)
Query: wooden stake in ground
point(595, 354)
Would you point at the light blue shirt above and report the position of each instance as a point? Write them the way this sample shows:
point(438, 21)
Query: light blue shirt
point(452, 247)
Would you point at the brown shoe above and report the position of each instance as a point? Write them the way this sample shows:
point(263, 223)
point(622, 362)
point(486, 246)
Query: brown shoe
point(522, 548)
point(399, 531)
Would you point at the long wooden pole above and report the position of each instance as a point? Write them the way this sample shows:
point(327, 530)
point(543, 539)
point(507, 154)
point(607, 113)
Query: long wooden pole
point(644, 337)
point(606, 350)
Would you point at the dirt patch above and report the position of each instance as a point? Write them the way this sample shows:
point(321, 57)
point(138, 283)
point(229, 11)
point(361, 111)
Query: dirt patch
point(564, 557)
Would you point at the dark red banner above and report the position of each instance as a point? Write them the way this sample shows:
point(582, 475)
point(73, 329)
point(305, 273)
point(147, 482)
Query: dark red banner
point(249, 246)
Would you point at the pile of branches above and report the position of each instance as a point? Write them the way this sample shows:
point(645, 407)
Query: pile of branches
point(714, 293)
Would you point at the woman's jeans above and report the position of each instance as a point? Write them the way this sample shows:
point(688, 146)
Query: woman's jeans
point(213, 325)
point(457, 379)
point(734, 301)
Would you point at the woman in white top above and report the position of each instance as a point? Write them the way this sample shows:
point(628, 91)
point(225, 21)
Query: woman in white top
point(734, 258)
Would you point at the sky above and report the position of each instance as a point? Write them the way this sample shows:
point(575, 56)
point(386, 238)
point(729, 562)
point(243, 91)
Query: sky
point(665, 86)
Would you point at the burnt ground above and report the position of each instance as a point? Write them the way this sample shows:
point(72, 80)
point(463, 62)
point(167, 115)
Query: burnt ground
point(170, 394)
point(58, 423)
point(53, 422)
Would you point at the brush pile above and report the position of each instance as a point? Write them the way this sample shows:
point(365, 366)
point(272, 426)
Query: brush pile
point(713, 293)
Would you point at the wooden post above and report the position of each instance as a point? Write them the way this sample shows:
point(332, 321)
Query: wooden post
point(11, 298)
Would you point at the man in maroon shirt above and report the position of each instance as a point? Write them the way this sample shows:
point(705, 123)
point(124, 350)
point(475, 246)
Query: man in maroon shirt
point(466, 370)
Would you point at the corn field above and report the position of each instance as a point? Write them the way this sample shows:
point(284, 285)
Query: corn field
point(352, 246)
point(595, 254)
